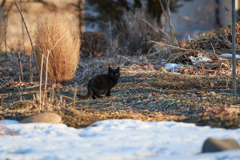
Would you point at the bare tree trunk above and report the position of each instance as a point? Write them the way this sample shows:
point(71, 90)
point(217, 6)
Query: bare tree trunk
point(81, 16)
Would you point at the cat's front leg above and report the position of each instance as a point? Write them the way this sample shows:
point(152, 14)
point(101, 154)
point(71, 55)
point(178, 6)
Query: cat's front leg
point(94, 96)
point(108, 92)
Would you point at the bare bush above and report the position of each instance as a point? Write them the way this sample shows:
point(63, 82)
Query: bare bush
point(3, 27)
point(94, 44)
point(139, 27)
point(64, 57)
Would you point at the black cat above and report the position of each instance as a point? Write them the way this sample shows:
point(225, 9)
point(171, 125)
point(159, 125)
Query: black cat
point(102, 84)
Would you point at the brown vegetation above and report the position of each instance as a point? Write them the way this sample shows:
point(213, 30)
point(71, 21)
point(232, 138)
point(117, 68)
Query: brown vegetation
point(137, 28)
point(64, 57)
point(145, 91)
point(94, 44)
point(218, 41)
point(3, 27)
point(31, 11)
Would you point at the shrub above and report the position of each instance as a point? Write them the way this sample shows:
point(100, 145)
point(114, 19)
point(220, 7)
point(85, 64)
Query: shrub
point(64, 57)
point(3, 27)
point(94, 44)
point(138, 27)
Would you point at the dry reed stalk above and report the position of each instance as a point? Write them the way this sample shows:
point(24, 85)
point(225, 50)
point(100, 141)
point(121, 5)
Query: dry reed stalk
point(171, 46)
point(30, 67)
point(20, 66)
point(40, 83)
point(75, 95)
point(64, 57)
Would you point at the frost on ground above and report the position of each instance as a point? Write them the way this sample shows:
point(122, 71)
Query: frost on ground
point(113, 139)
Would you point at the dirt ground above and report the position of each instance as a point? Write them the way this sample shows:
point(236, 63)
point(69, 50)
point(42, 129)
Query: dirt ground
point(145, 91)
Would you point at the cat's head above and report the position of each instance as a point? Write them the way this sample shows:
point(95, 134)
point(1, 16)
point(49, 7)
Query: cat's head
point(114, 73)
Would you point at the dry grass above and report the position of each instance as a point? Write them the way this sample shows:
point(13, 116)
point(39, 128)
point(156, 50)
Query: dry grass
point(4, 130)
point(31, 11)
point(3, 27)
point(94, 44)
point(138, 27)
point(64, 57)
point(218, 41)
point(148, 95)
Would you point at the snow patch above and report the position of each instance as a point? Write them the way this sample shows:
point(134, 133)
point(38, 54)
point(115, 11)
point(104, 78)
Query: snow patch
point(173, 67)
point(229, 55)
point(114, 139)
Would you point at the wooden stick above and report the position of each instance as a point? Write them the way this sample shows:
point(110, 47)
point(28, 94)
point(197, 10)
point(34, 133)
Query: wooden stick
point(67, 97)
point(75, 94)
point(30, 67)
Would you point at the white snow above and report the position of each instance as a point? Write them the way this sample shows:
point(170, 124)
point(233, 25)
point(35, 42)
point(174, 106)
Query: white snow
point(200, 58)
point(173, 66)
point(114, 140)
point(229, 55)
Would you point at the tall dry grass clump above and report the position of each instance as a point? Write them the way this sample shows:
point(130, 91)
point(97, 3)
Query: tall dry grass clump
point(3, 27)
point(64, 57)
point(138, 27)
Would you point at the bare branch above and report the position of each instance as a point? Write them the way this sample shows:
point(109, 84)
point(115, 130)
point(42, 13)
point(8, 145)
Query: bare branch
point(168, 17)
point(154, 28)
point(170, 45)
point(25, 25)
point(58, 41)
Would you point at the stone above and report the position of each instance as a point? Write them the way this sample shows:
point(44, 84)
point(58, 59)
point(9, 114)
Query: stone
point(215, 145)
point(46, 117)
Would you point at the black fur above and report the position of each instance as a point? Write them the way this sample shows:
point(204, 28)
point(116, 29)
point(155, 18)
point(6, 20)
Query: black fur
point(102, 84)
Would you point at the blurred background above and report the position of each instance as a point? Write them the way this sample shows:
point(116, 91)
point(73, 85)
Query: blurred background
point(189, 17)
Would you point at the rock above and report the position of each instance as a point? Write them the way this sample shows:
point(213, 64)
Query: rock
point(46, 117)
point(215, 145)
point(212, 93)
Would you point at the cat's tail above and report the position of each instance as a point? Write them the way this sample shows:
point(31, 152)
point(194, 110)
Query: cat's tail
point(89, 94)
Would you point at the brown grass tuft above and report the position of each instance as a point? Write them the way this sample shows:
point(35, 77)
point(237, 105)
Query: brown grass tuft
point(3, 27)
point(64, 57)
point(138, 27)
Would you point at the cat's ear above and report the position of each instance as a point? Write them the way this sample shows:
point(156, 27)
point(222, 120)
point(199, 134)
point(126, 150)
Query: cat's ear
point(109, 68)
point(118, 68)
